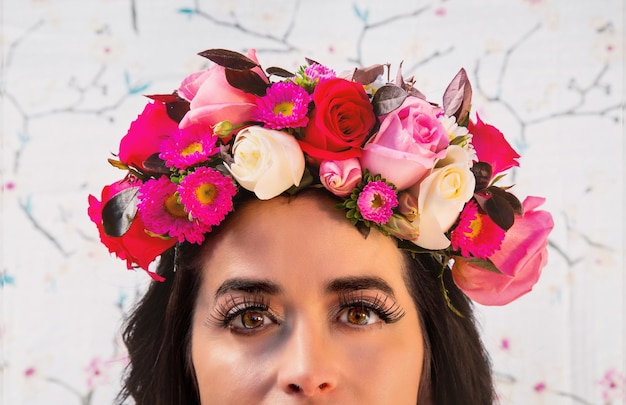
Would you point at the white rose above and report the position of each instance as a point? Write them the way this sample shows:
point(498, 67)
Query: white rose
point(442, 195)
point(266, 162)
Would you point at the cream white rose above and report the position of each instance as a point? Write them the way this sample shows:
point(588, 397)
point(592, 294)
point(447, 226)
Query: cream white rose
point(266, 162)
point(442, 195)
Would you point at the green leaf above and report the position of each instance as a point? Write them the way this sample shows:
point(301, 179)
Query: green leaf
point(118, 213)
point(246, 80)
point(483, 264)
point(229, 59)
point(388, 98)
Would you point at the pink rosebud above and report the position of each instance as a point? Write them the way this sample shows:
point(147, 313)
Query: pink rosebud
point(214, 100)
point(521, 258)
point(408, 143)
point(491, 146)
point(340, 177)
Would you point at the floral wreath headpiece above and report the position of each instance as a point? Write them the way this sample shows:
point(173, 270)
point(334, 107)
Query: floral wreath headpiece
point(422, 173)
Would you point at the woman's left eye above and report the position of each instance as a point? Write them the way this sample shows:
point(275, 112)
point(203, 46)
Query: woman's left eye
point(358, 316)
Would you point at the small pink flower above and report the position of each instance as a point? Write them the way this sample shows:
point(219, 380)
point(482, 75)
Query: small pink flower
point(540, 387)
point(377, 201)
point(207, 195)
point(189, 146)
point(340, 177)
point(476, 234)
point(319, 72)
point(613, 386)
point(285, 105)
point(163, 214)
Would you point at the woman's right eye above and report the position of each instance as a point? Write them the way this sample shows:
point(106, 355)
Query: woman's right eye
point(250, 319)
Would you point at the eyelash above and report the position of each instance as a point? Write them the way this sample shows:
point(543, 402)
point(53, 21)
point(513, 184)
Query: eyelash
point(234, 307)
point(226, 313)
point(388, 312)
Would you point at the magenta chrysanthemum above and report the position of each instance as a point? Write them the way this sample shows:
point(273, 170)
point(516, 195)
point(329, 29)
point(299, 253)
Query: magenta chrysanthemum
point(319, 72)
point(163, 214)
point(189, 146)
point(207, 195)
point(285, 105)
point(377, 201)
point(476, 235)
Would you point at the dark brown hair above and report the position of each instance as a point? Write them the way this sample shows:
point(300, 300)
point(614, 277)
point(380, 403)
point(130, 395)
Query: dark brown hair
point(456, 368)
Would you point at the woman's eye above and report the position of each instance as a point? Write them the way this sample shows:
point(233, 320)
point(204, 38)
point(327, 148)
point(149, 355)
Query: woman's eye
point(251, 319)
point(358, 316)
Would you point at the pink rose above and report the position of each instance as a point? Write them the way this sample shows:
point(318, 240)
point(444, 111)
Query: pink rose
point(145, 135)
point(491, 146)
point(213, 100)
point(520, 259)
point(340, 177)
point(408, 143)
point(135, 246)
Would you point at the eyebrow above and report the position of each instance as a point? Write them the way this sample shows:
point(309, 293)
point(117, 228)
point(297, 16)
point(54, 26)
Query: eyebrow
point(249, 285)
point(338, 285)
point(346, 284)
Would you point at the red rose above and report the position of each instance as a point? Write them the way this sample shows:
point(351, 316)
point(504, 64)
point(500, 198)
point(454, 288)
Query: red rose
point(341, 121)
point(135, 246)
point(145, 135)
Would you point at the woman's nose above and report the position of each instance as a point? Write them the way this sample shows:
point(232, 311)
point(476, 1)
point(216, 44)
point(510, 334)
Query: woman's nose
point(309, 366)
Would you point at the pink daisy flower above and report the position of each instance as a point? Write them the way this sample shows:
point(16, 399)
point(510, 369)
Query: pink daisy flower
point(476, 234)
point(163, 214)
point(377, 201)
point(188, 146)
point(285, 105)
point(319, 72)
point(208, 195)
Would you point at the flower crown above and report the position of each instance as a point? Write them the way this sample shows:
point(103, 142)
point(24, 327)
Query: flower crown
point(422, 173)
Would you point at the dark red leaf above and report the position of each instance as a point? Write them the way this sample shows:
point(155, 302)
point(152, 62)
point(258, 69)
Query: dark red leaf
point(311, 61)
point(229, 59)
point(164, 98)
point(176, 110)
point(500, 211)
point(154, 164)
point(118, 213)
point(388, 98)
point(458, 96)
point(280, 72)
point(482, 173)
point(369, 74)
point(513, 201)
point(247, 80)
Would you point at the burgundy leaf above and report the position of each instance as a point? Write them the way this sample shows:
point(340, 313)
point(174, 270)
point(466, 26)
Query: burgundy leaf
point(513, 201)
point(369, 74)
point(388, 98)
point(280, 72)
point(500, 211)
point(482, 173)
point(246, 80)
point(458, 96)
point(229, 59)
point(176, 110)
point(154, 164)
point(118, 213)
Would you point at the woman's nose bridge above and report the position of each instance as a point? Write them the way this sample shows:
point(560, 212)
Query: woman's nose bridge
point(309, 363)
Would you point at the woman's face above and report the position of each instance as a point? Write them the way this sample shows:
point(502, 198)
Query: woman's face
point(296, 306)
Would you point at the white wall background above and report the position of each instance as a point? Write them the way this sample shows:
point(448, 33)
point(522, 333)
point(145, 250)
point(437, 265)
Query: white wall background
point(549, 73)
